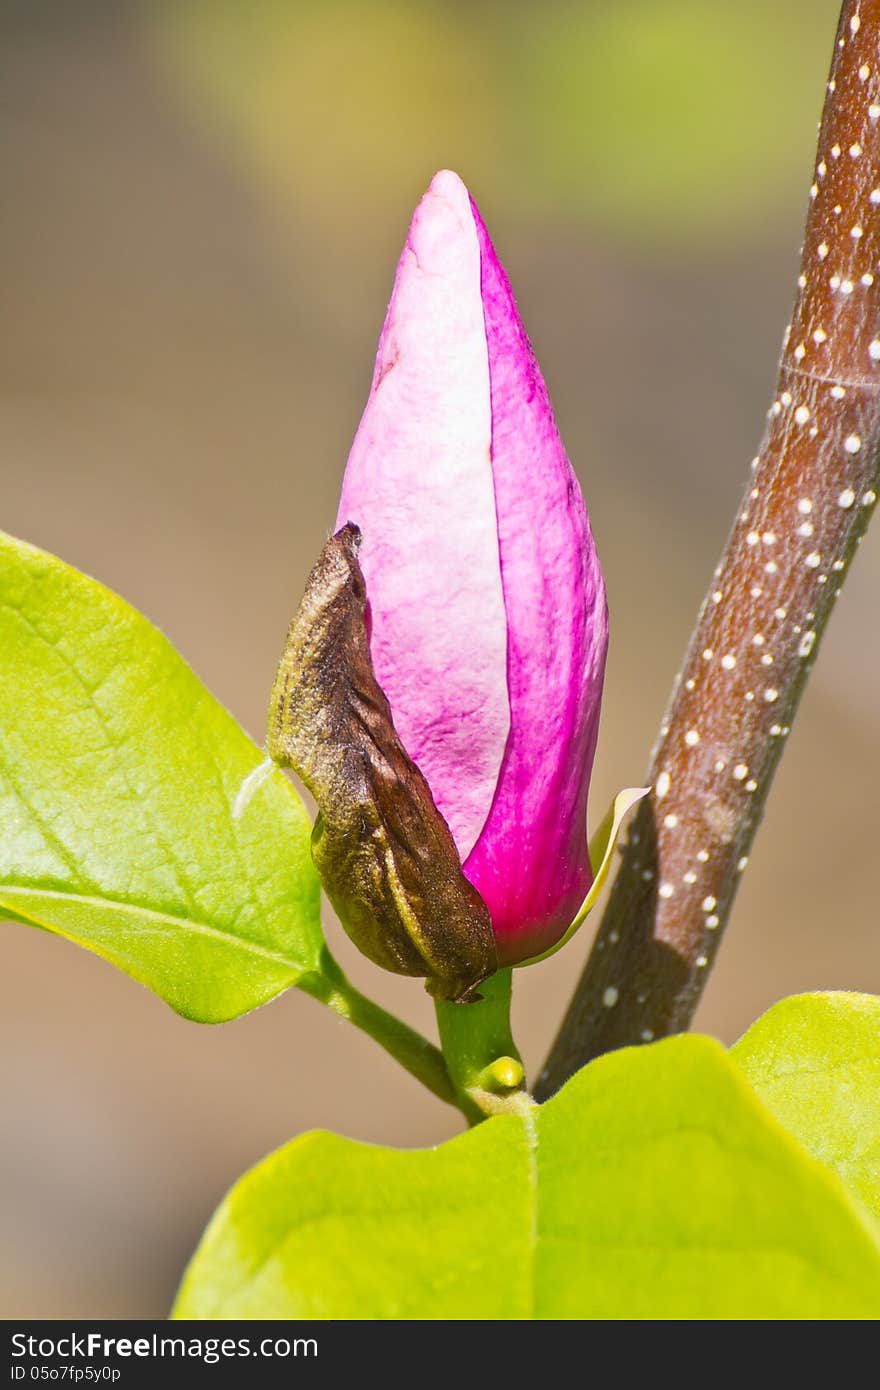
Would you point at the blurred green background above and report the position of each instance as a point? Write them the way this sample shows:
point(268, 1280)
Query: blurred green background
point(203, 205)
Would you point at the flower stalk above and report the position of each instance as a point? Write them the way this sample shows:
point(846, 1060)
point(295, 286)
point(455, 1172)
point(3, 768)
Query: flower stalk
point(409, 1048)
point(484, 1064)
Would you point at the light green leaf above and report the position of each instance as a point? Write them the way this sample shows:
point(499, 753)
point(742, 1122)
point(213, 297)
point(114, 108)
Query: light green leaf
point(118, 775)
point(655, 1185)
point(814, 1060)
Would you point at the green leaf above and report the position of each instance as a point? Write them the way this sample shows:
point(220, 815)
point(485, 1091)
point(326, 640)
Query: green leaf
point(118, 776)
point(655, 1185)
point(814, 1060)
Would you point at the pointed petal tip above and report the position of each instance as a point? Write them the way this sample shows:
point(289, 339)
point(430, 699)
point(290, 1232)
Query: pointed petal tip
point(447, 184)
point(442, 234)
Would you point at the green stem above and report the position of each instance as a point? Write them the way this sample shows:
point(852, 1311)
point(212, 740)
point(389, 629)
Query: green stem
point(416, 1054)
point(482, 1059)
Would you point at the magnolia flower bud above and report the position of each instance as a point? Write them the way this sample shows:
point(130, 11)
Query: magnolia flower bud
point(488, 617)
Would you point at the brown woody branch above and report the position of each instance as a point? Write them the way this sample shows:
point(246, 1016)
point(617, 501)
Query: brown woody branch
point(811, 493)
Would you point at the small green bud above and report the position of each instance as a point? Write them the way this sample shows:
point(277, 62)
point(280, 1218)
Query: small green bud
point(504, 1074)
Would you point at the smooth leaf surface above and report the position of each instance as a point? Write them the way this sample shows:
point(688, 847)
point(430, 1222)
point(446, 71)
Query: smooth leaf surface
point(814, 1060)
point(655, 1185)
point(118, 774)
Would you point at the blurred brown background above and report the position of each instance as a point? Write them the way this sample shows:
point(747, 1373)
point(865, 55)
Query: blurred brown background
point(203, 203)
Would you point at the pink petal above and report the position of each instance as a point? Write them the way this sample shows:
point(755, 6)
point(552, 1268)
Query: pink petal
point(531, 863)
point(419, 484)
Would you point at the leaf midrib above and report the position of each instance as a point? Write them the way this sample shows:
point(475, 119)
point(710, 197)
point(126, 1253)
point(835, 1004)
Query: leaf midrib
point(167, 920)
point(531, 1135)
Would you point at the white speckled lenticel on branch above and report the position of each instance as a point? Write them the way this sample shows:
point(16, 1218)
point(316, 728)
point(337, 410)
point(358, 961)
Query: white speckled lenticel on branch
point(812, 490)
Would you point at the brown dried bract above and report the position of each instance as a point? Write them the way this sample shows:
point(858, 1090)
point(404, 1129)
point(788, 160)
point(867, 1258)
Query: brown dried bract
point(385, 854)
